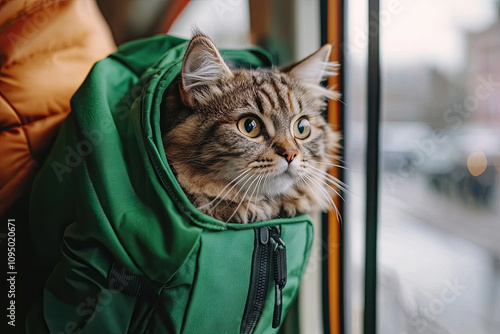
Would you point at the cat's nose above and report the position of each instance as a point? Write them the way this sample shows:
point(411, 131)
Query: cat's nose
point(289, 155)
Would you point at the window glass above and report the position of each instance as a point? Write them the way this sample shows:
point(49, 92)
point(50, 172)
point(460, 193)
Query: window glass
point(354, 96)
point(439, 234)
point(227, 23)
point(439, 223)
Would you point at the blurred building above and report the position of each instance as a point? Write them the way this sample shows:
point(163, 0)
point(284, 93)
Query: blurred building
point(418, 93)
point(484, 71)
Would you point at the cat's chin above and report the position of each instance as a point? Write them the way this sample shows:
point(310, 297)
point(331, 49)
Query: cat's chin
point(277, 185)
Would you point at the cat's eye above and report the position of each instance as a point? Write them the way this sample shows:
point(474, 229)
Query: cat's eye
point(302, 128)
point(249, 126)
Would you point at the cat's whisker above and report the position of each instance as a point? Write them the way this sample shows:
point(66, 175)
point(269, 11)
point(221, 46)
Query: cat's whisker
point(247, 178)
point(333, 179)
point(236, 178)
point(324, 181)
point(326, 194)
point(334, 182)
point(243, 198)
point(256, 197)
point(253, 192)
point(339, 187)
point(334, 157)
point(261, 182)
point(265, 180)
point(314, 193)
point(320, 187)
point(338, 166)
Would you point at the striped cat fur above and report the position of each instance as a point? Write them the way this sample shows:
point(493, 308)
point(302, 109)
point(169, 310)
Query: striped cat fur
point(251, 145)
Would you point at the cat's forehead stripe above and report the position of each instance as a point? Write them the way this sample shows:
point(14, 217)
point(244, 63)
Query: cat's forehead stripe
point(279, 91)
point(267, 97)
point(258, 101)
point(295, 104)
point(300, 104)
point(275, 93)
point(290, 101)
point(270, 92)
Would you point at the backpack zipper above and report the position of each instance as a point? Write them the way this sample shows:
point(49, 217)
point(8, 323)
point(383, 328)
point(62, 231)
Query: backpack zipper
point(258, 281)
point(267, 239)
point(280, 272)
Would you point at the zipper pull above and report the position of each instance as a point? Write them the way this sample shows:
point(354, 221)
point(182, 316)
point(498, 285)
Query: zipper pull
point(264, 235)
point(280, 273)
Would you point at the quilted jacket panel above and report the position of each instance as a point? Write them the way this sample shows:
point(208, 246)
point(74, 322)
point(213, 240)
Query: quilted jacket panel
point(47, 48)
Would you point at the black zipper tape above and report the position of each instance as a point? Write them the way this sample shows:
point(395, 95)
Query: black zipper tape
point(268, 243)
point(259, 281)
point(280, 273)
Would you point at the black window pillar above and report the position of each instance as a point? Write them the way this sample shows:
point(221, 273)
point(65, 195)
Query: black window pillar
point(372, 168)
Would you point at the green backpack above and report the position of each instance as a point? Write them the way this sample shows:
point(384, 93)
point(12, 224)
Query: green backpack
point(129, 252)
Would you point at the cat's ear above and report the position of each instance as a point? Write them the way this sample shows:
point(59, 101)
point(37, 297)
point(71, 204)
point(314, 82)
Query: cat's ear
point(314, 69)
point(202, 68)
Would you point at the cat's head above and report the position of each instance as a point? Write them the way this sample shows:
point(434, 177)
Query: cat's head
point(245, 134)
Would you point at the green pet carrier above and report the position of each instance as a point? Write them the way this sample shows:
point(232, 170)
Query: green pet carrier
point(127, 250)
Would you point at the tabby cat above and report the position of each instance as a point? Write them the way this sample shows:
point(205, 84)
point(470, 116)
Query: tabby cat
point(250, 145)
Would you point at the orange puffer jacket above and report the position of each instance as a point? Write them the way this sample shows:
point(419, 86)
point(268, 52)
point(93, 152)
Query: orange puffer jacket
point(47, 48)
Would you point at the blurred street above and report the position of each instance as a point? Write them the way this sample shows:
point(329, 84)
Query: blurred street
point(438, 263)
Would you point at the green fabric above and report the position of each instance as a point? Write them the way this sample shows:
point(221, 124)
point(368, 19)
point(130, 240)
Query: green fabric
point(106, 195)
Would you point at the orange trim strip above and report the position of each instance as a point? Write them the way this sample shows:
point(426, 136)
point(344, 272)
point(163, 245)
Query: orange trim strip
point(334, 25)
point(172, 12)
